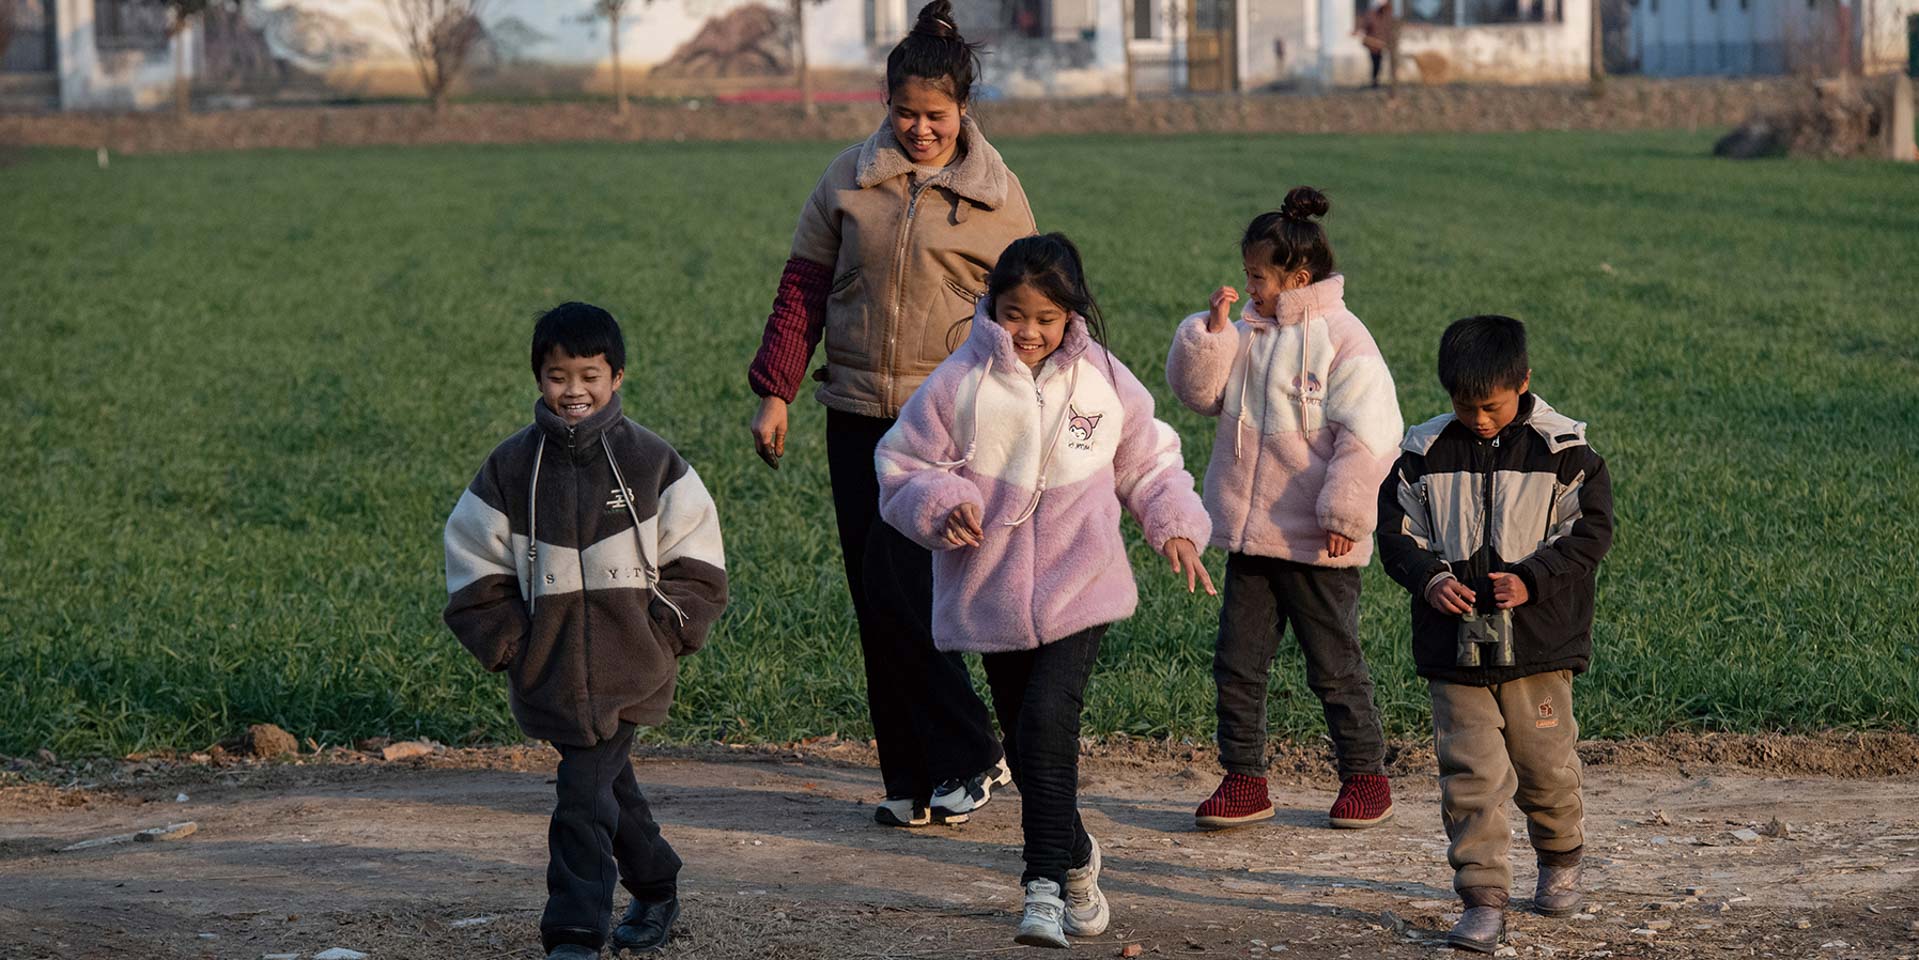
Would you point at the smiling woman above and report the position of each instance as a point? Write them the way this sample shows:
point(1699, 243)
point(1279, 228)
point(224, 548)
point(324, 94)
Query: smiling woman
point(892, 250)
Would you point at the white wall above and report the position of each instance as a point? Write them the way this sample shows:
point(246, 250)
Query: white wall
point(95, 79)
point(1515, 53)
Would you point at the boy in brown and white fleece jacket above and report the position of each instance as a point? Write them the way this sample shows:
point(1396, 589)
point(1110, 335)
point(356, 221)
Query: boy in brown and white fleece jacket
point(584, 560)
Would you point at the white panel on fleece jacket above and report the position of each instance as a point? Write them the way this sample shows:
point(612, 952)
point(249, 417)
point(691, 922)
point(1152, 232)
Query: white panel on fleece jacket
point(1048, 459)
point(1308, 425)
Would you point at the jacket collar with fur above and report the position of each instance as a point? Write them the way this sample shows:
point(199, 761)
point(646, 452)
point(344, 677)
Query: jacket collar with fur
point(979, 174)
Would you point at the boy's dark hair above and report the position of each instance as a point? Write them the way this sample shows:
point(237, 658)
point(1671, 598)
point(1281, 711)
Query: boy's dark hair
point(1479, 355)
point(1290, 237)
point(582, 330)
point(935, 52)
point(1051, 263)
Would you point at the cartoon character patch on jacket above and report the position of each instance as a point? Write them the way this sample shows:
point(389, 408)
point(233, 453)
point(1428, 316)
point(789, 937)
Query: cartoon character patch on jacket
point(1081, 428)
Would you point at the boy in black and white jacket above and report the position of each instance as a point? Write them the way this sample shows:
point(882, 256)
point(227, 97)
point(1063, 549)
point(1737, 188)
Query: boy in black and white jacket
point(1495, 518)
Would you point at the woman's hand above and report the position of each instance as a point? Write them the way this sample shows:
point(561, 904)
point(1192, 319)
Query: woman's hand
point(1185, 558)
point(769, 431)
point(962, 526)
point(1223, 300)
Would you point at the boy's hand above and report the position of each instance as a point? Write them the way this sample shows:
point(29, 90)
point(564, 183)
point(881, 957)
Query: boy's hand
point(1337, 546)
point(1223, 299)
point(1185, 558)
point(1509, 591)
point(962, 526)
point(1451, 596)
point(769, 431)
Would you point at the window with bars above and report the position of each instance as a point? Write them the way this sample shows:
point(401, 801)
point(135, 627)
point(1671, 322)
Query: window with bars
point(1469, 13)
point(129, 25)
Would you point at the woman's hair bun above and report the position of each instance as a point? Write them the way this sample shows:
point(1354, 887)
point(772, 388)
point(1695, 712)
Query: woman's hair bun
point(936, 20)
point(1301, 203)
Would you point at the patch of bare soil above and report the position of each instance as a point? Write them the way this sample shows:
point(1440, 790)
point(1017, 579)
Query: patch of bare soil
point(1696, 850)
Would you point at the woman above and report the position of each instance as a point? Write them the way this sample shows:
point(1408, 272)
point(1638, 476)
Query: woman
point(891, 251)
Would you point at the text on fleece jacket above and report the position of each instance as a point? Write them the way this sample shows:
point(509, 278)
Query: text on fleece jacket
point(1535, 501)
point(1308, 423)
point(584, 561)
point(1048, 459)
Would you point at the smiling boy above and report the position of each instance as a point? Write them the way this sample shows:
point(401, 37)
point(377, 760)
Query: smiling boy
point(1495, 519)
point(584, 560)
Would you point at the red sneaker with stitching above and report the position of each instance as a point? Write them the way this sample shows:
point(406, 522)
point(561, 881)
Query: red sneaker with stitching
point(1365, 800)
point(1239, 799)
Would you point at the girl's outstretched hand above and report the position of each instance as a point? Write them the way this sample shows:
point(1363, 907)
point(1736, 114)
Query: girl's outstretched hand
point(962, 526)
point(1185, 559)
point(1223, 300)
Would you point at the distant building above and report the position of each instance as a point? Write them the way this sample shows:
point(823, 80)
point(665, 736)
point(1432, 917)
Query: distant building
point(1677, 38)
point(113, 54)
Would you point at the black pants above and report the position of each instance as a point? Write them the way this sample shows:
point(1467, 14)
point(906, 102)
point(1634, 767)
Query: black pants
point(1038, 695)
point(930, 724)
point(1378, 56)
point(1262, 595)
point(601, 832)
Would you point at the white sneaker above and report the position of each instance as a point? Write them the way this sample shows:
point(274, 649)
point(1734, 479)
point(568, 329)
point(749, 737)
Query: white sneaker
point(1086, 910)
point(1040, 925)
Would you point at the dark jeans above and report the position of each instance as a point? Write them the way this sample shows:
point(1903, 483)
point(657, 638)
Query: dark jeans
point(930, 724)
point(1262, 595)
point(1038, 695)
point(601, 832)
point(1378, 56)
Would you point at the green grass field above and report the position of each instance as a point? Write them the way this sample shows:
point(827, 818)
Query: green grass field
point(241, 391)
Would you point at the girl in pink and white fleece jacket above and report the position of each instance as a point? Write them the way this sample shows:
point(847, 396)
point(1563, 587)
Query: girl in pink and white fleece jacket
point(1011, 464)
point(1308, 427)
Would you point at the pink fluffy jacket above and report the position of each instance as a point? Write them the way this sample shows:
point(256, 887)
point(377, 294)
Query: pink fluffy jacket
point(1308, 425)
point(1048, 458)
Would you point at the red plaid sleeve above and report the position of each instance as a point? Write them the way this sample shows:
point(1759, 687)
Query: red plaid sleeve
point(792, 330)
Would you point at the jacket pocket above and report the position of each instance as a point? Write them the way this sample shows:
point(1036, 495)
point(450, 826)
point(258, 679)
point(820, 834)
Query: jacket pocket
point(944, 327)
point(851, 332)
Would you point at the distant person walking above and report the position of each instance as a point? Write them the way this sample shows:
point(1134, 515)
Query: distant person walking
point(891, 252)
point(1375, 30)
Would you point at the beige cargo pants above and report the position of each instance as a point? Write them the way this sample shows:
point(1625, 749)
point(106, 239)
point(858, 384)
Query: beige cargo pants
point(1510, 741)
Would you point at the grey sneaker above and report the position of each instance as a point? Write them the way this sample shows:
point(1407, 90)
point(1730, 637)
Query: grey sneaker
point(1086, 910)
point(1479, 930)
point(1041, 924)
point(1558, 893)
point(905, 812)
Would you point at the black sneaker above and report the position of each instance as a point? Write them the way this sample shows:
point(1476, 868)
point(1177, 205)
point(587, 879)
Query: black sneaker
point(954, 799)
point(903, 812)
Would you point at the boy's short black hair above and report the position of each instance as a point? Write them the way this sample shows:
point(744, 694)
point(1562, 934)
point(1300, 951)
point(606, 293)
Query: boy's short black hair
point(582, 330)
point(1479, 355)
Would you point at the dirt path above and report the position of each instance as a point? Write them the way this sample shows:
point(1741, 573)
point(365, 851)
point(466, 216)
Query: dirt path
point(398, 860)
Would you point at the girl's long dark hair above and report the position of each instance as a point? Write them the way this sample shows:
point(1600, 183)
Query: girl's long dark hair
point(1052, 265)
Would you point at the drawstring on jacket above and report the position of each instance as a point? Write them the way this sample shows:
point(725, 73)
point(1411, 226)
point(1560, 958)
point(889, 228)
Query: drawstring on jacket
point(1046, 459)
point(1258, 324)
point(626, 497)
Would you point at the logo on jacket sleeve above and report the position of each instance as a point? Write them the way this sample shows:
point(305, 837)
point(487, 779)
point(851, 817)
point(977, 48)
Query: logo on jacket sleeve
point(1080, 428)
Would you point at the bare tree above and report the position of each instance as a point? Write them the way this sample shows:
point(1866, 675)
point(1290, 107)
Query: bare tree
point(1126, 46)
point(612, 11)
point(1598, 51)
point(805, 74)
point(181, 15)
point(438, 35)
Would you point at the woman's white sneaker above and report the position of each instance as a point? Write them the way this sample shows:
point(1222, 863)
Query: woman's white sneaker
point(1086, 912)
point(1041, 924)
point(954, 799)
point(903, 812)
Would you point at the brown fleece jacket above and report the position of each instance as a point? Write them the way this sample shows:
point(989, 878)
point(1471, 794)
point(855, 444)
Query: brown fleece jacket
point(584, 561)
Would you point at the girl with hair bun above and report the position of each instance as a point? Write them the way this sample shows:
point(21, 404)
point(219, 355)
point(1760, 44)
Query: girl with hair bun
point(892, 247)
point(1309, 426)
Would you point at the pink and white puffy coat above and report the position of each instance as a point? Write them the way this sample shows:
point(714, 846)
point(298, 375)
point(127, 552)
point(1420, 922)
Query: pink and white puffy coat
point(1309, 425)
point(1048, 457)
